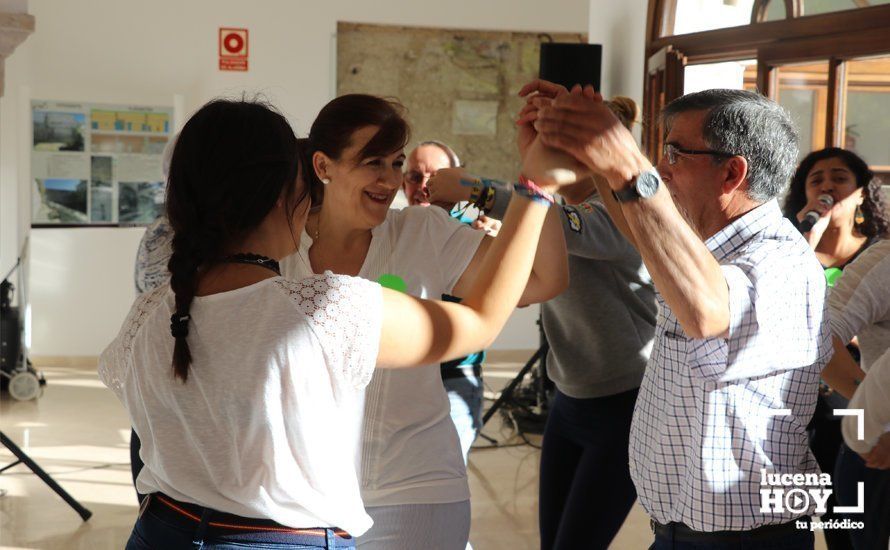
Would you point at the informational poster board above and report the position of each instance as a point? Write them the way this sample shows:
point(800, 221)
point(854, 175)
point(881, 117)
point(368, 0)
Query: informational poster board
point(97, 164)
point(459, 86)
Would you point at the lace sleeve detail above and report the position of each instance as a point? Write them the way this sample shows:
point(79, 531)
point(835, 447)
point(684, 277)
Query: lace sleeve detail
point(155, 250)
point(346, 313)
point(115, 361)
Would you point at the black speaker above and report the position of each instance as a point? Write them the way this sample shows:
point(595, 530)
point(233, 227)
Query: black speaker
point(570, 64)
point(10, 339)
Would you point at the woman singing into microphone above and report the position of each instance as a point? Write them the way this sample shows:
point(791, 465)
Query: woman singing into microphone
point(849, 222)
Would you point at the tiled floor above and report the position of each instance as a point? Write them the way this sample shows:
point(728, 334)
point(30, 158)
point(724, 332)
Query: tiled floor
point(79, 433)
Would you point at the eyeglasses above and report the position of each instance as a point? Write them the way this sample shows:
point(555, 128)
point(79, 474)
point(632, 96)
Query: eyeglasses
point(416, 178)
point(671, 151)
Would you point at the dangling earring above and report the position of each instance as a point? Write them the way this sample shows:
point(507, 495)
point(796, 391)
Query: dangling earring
point(859, 218)
point(325, 180)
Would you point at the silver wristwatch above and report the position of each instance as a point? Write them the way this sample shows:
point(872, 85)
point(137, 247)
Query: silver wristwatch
point(643, 186)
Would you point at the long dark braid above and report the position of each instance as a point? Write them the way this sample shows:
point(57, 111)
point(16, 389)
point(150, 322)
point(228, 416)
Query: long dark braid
point(183, 265)
point(232, 162)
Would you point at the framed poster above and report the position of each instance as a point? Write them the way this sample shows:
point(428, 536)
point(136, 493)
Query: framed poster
point(97, 164)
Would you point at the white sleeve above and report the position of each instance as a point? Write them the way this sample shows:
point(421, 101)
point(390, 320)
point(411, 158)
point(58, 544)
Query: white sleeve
point(114, 362)
point(346, 313)
point(861, 297)
point(454, 243)
point(154, 252)
point(873, 397)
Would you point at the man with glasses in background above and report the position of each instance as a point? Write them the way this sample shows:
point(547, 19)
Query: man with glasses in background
point(422, 163)
point(742, 332)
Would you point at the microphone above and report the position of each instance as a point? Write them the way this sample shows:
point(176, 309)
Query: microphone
point(811, 217)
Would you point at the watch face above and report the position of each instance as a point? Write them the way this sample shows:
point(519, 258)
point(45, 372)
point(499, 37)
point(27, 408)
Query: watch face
point(647, 183)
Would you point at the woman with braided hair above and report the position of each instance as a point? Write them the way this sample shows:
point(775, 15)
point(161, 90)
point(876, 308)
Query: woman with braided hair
point(247, 388)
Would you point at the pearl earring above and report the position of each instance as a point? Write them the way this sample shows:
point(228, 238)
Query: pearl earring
point(325, 180)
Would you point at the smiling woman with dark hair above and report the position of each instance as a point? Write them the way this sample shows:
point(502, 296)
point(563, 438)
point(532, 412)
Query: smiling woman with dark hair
point(413, 481)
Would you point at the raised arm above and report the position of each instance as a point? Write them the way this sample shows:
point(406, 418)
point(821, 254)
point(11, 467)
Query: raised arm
point(417, 332)
point(682, 268)
point(842, 373)
point(546, 163)
point(550, 270)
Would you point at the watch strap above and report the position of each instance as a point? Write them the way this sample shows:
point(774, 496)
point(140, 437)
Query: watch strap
point(628, 194)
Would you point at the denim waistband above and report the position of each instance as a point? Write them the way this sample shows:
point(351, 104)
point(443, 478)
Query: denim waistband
point(210, 524)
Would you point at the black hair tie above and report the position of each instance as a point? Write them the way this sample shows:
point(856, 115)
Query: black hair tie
point(179, 325)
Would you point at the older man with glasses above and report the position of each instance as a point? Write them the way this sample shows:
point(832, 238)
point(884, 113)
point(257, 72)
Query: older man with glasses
point(742, 333)
point(422, 163)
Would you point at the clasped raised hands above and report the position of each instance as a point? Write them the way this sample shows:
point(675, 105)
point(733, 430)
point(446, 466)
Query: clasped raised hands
point(579, 123)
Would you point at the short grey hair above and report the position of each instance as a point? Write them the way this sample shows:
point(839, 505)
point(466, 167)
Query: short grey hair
point(749, 125)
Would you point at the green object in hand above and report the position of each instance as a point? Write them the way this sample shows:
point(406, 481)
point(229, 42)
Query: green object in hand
point(832, 274)
point(394, 282)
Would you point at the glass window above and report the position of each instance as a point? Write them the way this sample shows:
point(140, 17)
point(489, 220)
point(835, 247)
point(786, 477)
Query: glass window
point(736, 75)
point(705, 15)
point(868, 101)
point(803, 91)
point(775, 10)
point(815, 7)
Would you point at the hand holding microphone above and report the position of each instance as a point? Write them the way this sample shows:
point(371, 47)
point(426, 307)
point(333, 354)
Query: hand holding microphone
point(812, 214)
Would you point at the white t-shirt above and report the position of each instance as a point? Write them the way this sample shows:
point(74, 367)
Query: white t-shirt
point(268, 424)
point(873, 397)
point(860, 303)
point(410, 450)
point(860, 306)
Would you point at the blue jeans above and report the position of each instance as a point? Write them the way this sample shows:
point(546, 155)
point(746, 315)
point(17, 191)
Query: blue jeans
point(160, 528)
point(465, 395)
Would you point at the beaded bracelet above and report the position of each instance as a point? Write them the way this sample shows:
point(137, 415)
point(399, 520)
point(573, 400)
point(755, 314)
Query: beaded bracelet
point(475, 194)
point(528, 189)
point(485, 197)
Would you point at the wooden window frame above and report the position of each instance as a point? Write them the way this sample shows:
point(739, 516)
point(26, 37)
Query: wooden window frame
point(836, 37)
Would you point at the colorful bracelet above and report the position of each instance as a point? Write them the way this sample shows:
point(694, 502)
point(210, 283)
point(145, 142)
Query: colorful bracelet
point(528, 189)
point(475, 194)
point(485, 195)
point(486, 198)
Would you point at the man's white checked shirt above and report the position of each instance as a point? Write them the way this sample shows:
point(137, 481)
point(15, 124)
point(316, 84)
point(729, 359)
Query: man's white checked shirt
point(703, 427)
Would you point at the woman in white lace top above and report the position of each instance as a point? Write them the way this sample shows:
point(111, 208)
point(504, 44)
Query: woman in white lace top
point(246, 388)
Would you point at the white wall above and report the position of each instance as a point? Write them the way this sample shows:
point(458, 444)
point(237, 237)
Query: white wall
point(13, 154)
point(620, 26)
point(124, 51)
